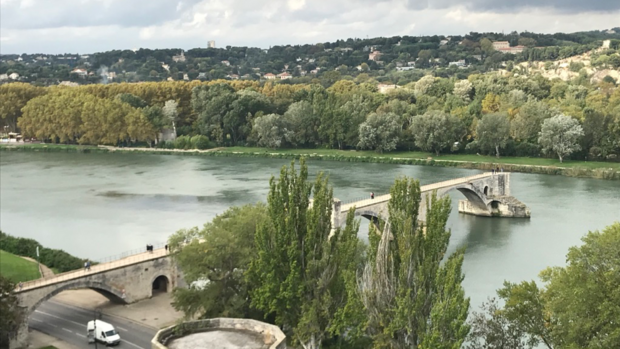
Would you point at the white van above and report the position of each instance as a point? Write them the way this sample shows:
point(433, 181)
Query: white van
point(103, 332)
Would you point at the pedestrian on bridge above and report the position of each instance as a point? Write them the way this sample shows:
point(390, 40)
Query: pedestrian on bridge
point(21, 285)
point(372, 195)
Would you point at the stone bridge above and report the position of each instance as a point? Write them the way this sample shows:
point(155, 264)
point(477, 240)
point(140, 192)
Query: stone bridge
point(486, 194)
point(125, 280)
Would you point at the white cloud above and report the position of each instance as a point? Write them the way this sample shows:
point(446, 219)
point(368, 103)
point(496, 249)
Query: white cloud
point(56, 26)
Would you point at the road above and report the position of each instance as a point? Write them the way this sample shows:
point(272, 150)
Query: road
point(69, 324)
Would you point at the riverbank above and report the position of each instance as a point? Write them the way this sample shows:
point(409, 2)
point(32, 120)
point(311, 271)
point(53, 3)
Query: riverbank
point(586, 169)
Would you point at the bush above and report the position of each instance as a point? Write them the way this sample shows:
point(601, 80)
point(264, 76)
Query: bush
point(52, 258)
point(182, 142)
point(200, 142)
point(527, 149)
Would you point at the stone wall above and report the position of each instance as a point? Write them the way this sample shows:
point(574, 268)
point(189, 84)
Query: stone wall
point(271, 334)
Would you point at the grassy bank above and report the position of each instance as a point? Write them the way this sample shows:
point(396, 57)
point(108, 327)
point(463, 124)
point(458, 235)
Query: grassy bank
point(592, 169)
point(16, 268)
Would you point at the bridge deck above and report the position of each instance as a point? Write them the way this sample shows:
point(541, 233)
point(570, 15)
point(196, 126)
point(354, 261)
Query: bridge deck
point(424, 189)
point(94, 269)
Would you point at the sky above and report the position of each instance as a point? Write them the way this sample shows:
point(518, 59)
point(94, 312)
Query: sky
point(87, 26)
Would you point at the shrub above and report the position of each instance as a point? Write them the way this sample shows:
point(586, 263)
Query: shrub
point(527, 149)
point(200, 142)
point(182, 142)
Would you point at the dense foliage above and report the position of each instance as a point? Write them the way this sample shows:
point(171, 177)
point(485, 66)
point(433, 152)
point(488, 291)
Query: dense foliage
point(11, 314)
point(52, 258)
point(511, 114)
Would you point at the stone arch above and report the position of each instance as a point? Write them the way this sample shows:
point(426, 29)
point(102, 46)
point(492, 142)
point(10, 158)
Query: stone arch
point(374, 217)
point(486, 190)
point(474, 197)
point(160, 283)
point(111, 293)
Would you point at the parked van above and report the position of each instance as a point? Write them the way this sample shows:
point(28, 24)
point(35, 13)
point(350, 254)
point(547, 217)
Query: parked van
point(103, 332)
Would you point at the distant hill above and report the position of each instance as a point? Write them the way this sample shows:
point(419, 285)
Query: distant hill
point(399, 59)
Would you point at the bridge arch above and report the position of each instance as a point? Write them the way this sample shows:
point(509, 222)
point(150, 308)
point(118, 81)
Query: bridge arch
point(374, 217)
point(474, 196)
point(111, 293)
point(160, 283)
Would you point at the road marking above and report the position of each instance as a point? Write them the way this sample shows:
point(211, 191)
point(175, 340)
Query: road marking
point(122, 329)
point(37, 320)
point(128, 342)
point(81, 335)
point(67, 330)
point(57, 317)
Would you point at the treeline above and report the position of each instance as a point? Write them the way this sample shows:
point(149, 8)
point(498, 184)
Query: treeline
point(342, 57)
point(52, 258)
point(487, 114)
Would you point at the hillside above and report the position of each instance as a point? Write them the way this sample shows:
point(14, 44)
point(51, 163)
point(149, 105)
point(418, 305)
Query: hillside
point(397, 60)
point(16, 268)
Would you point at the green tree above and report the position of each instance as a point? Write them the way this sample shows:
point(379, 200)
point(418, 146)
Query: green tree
point(560, 135)
point(413, 298)
point(11, 315)
point(272, 130)
point(300, 272)
point(214, 260)
point(529, 118)
point(491, 329)
point(493, 132)
point(14, 97)
point(380, 132)
point(582, 298)
point(436, 131)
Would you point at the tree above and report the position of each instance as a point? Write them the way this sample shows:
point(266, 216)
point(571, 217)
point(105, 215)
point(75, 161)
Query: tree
point(423, 85)
point(491, 329)
point(436, 131)
point(487, 46)
point(214, 260)
point(170, 111)
point(300, 272)
point(493, 132)
point(527, 122)
point(582, 298)
point(272, 130)
point(463, 89)
point(14, 97)
point(132, 100)
point(305, 123)
point(380, 132)
point(10, 314)
point(414, 299)
point(560, 135)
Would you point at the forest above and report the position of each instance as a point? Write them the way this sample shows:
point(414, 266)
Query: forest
point(502, 115)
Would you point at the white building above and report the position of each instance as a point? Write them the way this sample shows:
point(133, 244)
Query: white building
point(211, 44)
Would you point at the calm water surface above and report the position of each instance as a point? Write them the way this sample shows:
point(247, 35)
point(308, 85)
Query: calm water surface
point(99, 205)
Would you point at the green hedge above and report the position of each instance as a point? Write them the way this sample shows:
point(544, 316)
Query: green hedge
point(52, 258)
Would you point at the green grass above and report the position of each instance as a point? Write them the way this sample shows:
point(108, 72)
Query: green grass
point(16, 268)
point(592, 169)
point(424, 156)
point(49, 347)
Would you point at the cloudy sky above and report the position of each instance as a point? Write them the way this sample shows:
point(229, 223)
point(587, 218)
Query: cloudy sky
point(86, 26)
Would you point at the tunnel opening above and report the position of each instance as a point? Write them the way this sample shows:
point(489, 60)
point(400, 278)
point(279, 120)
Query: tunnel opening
point(160, 284)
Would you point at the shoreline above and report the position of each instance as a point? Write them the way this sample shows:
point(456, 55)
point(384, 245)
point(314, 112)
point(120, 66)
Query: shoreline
point(571, 170)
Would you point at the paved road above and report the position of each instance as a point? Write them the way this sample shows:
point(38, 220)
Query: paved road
point(69, 324)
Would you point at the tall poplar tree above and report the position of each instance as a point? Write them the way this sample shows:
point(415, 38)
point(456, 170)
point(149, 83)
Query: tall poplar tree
point(303, 270)
point(413, 297)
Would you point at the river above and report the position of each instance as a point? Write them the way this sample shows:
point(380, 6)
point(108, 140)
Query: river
point(99, 205)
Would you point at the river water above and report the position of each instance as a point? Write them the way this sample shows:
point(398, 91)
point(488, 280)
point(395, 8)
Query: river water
point(99, 205)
